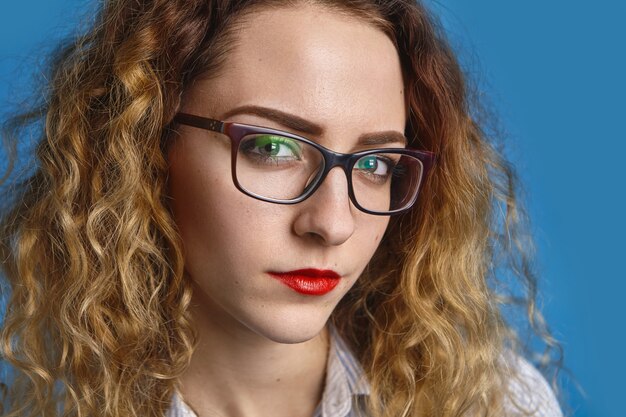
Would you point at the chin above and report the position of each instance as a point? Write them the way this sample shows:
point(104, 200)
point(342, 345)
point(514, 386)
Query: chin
point(290, 328)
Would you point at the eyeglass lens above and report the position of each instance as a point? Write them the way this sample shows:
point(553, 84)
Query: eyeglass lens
point(283, 168)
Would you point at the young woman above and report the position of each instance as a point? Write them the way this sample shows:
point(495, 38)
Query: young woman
point(262, 208)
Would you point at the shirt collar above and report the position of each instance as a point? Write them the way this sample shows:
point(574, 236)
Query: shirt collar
point(345, 380)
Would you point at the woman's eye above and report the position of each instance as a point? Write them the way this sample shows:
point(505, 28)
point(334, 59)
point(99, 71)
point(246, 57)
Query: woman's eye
point(374, 165)
point(272, 146)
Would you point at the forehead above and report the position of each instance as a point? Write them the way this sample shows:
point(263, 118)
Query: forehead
point(322, 65)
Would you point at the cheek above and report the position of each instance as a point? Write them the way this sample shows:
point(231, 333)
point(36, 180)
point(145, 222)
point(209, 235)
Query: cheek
point(199, 191)
point(221, 228)
point(369, 234)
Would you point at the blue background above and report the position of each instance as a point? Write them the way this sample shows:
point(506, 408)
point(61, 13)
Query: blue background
point(554, 70)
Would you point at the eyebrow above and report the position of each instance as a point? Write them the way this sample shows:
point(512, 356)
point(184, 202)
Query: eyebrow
point(299, 124)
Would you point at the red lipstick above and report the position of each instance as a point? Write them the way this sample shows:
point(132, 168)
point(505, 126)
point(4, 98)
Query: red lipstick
point(309, 281)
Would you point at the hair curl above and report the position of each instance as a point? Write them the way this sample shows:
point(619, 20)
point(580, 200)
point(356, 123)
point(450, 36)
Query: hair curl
point(97, 322)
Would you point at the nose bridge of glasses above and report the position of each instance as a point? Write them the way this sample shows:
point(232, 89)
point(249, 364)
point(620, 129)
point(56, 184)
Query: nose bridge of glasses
point(335, 159)
point(332, 160)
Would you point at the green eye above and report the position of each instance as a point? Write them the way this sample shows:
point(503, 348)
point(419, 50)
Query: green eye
point(276, 146)
point(271, 148)
point(369, 163)
point(376, 168)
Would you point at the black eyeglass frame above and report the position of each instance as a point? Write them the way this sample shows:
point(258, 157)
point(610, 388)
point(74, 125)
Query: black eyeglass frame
point(237, 131)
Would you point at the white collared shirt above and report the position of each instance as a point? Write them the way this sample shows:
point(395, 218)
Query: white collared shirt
point(346, 386)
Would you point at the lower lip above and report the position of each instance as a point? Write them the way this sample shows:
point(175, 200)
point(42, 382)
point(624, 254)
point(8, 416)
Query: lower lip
point(307, 285)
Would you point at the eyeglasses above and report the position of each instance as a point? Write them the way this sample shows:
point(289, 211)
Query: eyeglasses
point(280, 167)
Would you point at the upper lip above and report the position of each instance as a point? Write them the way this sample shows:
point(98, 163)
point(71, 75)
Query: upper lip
point(311, 272)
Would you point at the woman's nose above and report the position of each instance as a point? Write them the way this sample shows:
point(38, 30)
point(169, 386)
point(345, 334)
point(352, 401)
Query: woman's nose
point(328, 214)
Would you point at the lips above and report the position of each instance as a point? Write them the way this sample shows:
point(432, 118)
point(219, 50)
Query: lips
point(309, 281)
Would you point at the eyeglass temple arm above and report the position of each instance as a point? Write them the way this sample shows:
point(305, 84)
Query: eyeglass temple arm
point(200, 122)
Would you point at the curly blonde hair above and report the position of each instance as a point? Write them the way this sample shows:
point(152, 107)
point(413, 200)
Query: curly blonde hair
point(97, 323)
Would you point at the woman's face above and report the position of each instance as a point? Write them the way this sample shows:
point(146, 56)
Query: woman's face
point(334, 71)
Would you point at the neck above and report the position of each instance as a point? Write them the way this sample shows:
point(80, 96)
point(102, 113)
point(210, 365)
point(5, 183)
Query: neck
point(237, 372)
